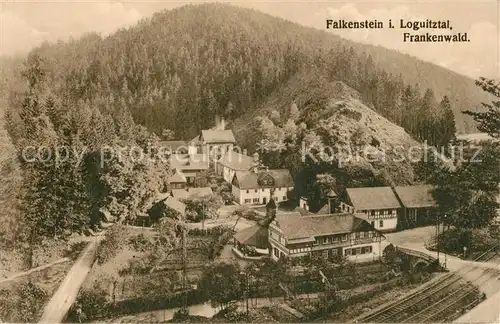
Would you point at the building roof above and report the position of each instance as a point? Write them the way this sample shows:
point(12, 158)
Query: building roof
point(191, 193)
point(237, 161)
point(324, 210)
point(189, 161)
point(218, 136)
point(304, 227)
point(416, 196)
point(175, 204)
point(373, 198)
point(254, 236)
point(250, 180)
point(177, 177)
point(302, 211)
point(172, 145)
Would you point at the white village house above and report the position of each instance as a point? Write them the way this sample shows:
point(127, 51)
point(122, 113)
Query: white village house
point(379, 205)
point(258, 186)
point(233, 161)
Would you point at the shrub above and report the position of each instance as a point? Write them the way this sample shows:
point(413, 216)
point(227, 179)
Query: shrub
point(75, 250)
point(94, 304)
point(140, 243)
point(114, 241)
point(31, 300)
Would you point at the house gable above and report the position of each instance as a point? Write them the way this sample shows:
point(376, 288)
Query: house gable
point(267, 181)
point(235, 181)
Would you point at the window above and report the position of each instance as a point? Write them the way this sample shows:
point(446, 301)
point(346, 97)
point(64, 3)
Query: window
point(381, 223)
point(389, 212)
point(348, 252)
point(325, 254)
point(276, 253)
point(256, 190)
point(247, 201)
point(325, 240)
point(315, 242)
point(373, 213)
point(248, 191)
point(329, 239)
point(284, 197)
point(335, 238)
point(373, 223)
point(358, 235)
point(256, 200)
point(334, 252)
point(362, 235)
point(344, 237)
point(358, 250)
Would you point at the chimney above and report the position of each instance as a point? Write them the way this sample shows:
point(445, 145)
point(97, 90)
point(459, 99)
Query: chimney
point(222, 123)
point(217, 121)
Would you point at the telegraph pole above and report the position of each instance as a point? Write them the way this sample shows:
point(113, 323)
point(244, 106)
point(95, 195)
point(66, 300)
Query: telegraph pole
point(184, 271)
point(437, 239)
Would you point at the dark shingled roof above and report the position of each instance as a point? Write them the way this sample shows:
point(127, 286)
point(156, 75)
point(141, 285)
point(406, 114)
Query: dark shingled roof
point(306, 227)
point(237, 161)
point(254, 236)
point(249, 179)
point(416, 196)
point(373, 198)
point(218, 136)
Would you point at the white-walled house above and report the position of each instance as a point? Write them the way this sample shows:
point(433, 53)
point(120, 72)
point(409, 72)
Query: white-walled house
point(328, 236)
point(379, 205)
point(233, 161)
point(256, 187)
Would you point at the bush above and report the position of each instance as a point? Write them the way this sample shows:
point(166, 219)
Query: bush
point(140, 243)
point(476, 240)
point(31, 300)
point(95, 305)
point(75, 250)
point(114, 241)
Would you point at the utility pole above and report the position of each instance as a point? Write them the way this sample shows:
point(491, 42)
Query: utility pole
point(184, 271)
point(203, 216)
point(437, 239)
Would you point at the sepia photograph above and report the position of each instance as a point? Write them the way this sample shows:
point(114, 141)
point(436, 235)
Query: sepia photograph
point(249, 161)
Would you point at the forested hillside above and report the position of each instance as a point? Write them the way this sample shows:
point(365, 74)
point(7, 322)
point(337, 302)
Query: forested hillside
point(176, 69)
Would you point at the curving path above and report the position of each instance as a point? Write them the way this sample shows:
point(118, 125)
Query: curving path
point(65, 295)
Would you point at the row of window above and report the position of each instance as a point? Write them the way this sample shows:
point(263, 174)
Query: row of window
point(343, 238)
point(358, 251)
point(264, 189)
point(378, 212)
point(301, 250)
point(380, 224)
point(257, 200)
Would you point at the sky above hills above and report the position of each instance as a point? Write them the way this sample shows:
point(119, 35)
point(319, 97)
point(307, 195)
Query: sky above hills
point(26, 23)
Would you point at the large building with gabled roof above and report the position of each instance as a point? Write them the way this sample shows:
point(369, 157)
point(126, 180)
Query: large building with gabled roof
point(379, 205)
point(327, 236)
point(417, 205)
